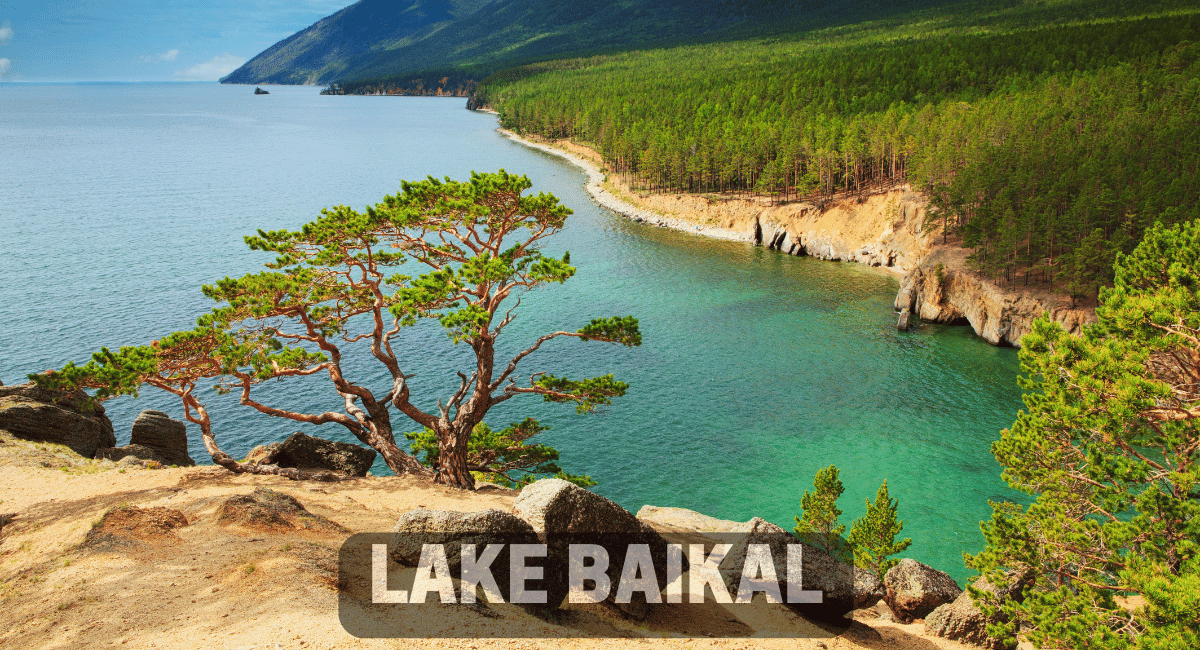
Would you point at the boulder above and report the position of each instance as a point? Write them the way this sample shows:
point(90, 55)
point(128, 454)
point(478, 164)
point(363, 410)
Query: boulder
point(843, 584)
point(167, 437)
point(307, 452)
point(963, 621)
point(60, 417)
point(562, 512)
point(453, 529)
point(868, 589)
point(556, 506)
point(914, 589)
point(685, 520)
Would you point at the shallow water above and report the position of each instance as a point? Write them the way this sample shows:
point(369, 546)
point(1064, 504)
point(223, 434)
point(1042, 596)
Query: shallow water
point(756, 370)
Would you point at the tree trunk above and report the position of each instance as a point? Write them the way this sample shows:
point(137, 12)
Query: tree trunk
point(452, 460)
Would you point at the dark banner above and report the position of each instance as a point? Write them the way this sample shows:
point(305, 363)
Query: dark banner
point(491, 585)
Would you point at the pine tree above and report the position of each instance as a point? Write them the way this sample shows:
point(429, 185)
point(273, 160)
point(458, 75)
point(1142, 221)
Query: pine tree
point(817, 525)
point(873, 536)
point(1110, 448)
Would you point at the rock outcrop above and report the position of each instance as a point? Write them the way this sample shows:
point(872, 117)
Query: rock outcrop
point(963, 621)
point(941, 290)
point(453, 529)
point(155, 437)
point(310, 453)
point(879, 230)
point(914, 589)
point(840, 580)
point(130, 525)
point(60, 417)
point(561, 511)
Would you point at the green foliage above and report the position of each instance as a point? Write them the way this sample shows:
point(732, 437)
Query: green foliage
point(1030, 125)
point(873, 536)
point(332, 284)
point(818, 524)
point(1109, 447)
point(504, 457)
point(587, 394)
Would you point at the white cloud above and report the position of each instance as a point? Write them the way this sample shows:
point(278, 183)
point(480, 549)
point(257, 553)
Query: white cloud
point(214, 69)
point(169, 55)
point(5, 66)
point(5, 31)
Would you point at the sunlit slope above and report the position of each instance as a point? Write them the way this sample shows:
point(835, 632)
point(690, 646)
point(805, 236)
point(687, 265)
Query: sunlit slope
point(378, 41)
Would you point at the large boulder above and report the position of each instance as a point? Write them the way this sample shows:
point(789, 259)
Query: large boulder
point(453, 529)
point(868, 589)
point(167, 437)
point(820, 570)
point(156, 437)
point(914, 589)
point(307, 452)
point(562, 512)
point(963, 621)
point(61, 417)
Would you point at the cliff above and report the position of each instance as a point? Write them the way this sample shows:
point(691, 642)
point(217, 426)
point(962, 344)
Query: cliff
point(884, 229)
point(1001, 316)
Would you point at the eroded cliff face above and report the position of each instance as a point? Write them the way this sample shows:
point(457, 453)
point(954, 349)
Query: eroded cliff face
point(884, 230)
point(953, 294)
point(879, 230)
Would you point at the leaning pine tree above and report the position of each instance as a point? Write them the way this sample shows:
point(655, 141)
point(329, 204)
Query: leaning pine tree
point(333, 285)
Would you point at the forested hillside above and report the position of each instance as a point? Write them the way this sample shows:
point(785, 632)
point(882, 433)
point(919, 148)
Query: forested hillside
point(1049, 135)
point(374, 45)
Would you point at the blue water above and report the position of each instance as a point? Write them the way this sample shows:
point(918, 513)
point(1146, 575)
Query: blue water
point(757, 369)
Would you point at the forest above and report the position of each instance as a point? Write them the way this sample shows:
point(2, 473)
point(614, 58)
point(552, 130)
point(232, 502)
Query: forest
point(1045, 148)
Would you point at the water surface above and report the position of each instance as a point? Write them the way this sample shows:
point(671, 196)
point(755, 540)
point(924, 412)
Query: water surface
point(757, 369)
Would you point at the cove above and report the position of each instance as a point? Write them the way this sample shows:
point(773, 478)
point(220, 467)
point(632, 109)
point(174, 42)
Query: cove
point(756, 370)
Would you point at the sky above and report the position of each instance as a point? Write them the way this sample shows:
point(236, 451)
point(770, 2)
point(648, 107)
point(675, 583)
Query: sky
point(144, 40)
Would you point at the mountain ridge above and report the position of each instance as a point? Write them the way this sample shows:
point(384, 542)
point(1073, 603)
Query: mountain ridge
point(383, 44)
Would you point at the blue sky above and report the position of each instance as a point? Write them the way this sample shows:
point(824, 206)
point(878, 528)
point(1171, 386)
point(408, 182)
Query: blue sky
point(144, 40)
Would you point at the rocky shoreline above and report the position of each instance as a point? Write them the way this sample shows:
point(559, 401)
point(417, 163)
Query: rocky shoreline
point(203, 556)
point(883, 230)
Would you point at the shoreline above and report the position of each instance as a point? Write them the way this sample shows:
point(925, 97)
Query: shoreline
point(605, 197)
point(883, 232)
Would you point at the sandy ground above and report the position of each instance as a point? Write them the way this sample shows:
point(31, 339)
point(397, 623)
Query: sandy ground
point(214, 585)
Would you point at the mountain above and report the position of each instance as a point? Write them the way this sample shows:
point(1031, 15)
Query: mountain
point(324, 51)
point(386, 42)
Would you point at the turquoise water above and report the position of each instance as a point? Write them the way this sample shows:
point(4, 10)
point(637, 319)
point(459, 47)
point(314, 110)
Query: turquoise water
point(756, 370)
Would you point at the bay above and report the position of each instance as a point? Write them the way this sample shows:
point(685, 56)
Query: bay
point(757, 369)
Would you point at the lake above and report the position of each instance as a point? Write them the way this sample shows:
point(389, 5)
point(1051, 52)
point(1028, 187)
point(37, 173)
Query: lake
point(757, 369)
